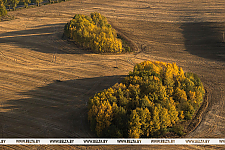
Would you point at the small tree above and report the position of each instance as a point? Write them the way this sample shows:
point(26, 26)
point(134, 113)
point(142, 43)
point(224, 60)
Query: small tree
point(38, 2)
point(14, 3)
point(26, 2)
point(134, 125)
point(3, 10)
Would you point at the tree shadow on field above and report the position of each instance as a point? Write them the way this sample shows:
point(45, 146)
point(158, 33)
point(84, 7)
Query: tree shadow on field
point(44, 38)
point(205, 39)
point(57, 110)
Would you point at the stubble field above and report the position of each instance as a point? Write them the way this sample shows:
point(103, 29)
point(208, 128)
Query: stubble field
point(33, 57)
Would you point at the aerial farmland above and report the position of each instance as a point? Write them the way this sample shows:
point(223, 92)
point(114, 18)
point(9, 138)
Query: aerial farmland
point(46, 80)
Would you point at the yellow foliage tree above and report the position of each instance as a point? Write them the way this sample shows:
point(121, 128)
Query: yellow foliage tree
point(103, 117)
point(134, 125)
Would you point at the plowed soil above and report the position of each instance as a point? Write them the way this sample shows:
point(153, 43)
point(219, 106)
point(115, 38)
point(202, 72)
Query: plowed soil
point(45, 81)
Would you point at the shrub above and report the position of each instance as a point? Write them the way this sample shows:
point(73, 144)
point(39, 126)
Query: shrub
point(149, 101)
point(178, 129)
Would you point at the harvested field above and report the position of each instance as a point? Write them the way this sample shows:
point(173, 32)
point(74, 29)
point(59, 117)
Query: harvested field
point(46, 81)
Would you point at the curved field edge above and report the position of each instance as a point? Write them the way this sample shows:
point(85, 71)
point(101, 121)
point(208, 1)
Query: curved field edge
point(132, 44)
point(197, 119)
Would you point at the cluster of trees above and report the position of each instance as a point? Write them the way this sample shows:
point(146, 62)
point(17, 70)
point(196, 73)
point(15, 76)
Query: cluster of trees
point(149, 102)
point(13, 4)
point(94, 33)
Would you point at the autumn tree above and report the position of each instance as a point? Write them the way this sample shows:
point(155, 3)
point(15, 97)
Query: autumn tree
point(3, 10)
point(145, 121)
point(156, 121)
point(103, 117)
point(13, 3)
point(120, 121)
point(134, 130)
point(26, 2)
point(165, 120)
point(38, 2)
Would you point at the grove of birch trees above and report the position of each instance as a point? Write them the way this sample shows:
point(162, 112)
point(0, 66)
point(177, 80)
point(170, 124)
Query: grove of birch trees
point(149, 102)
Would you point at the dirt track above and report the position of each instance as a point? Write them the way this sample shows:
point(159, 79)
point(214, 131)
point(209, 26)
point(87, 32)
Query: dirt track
point(33, 56)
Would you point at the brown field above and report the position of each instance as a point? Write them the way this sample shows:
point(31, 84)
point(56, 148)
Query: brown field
point(34, 104)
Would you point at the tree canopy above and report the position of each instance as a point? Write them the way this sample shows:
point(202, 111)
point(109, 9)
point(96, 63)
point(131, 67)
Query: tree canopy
point(93, 33)
point(150, 100)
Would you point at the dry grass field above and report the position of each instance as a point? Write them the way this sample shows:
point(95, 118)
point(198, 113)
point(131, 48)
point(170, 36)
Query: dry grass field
point(34, 57)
